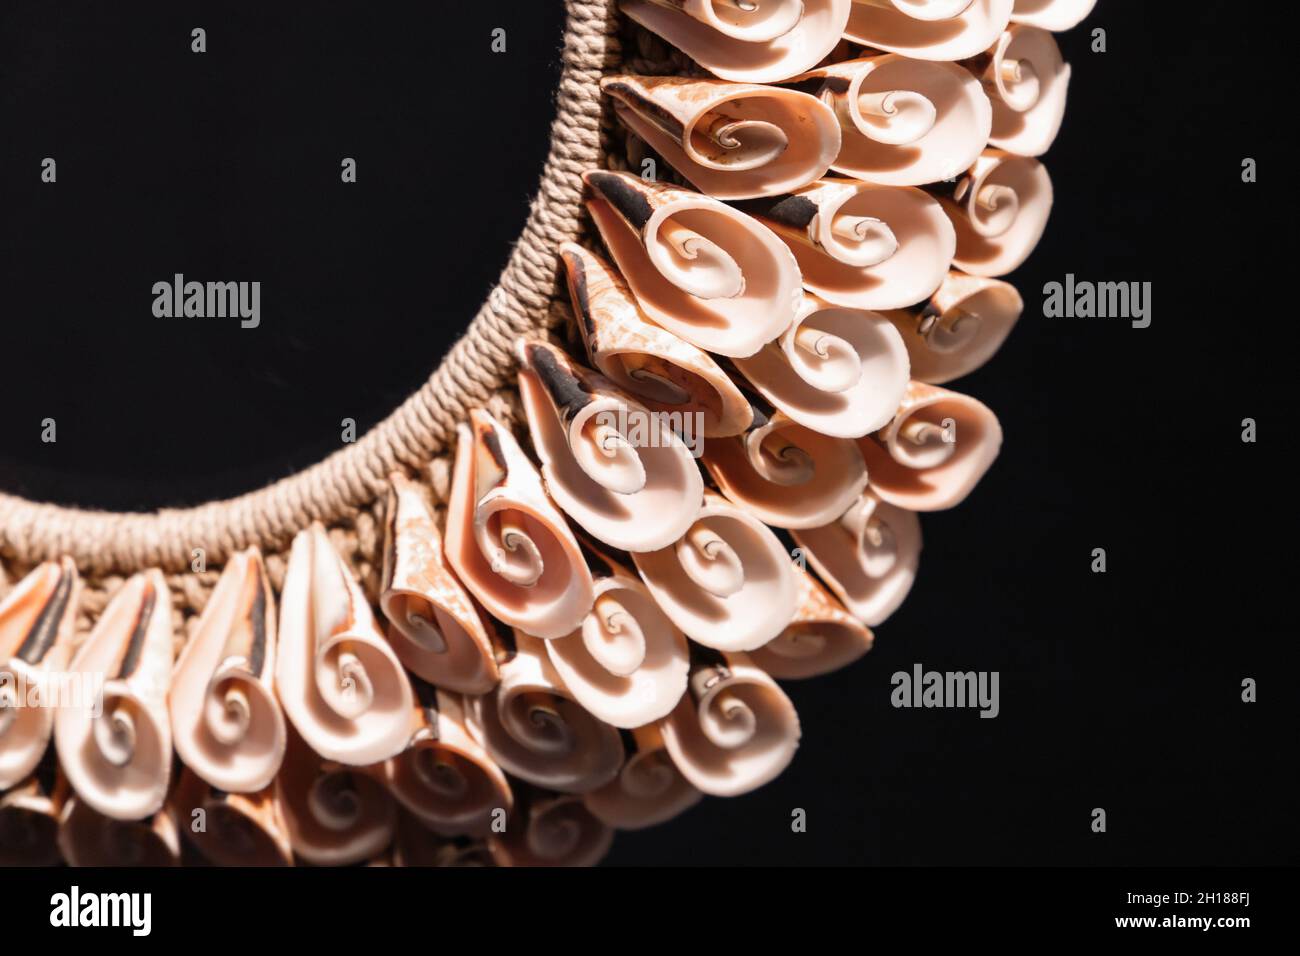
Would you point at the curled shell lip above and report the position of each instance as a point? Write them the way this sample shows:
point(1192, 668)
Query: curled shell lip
point(797, 49)
point(557, 831)
point(738, 734)
point(868, 558)
point(823, 637)
point(727, 584)
point(897, 29)
point(1029, 83)
point(753, 21)
point(340, 683)
point(999, 212)
point(226, 721)
point(646, 226)
point(664, 372)
point(118, 757)
point(502, 531)
point(434, 628)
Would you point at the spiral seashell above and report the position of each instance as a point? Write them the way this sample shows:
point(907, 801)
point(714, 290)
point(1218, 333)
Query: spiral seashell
point(701, 269)
point(946, 30)
point(837, 371)
point(37, 623)
point(934, 452)
point(552, 831)
point(445, 778)
point(862, 246)
point(1055, 15)
point(88, 838)
point(731, 140)
point(226, 721)
point(117, 750)
point(506, 541)
point(822, 638)
point(904, 122)
point(649, 790)
point(336, 815)
point(434, 628)
point(868, 558)
point(233, 829)
point(1026, 81)
point(614, 467)
point(735, 731)
point(960, 328)
point(535, 729)
point(342, 687)
point(627, 663)
point(664, 373)
point(727, 583)
point(754, 41)
point(29, 818)
point(786, 475)
point(999, 210)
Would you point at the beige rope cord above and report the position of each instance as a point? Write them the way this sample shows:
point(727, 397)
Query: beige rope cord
point(423, 427)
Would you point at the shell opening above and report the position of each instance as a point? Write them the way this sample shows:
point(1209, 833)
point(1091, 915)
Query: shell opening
point(921, 443)
point(115, 733)
point(535, 720)
point(727, 720)
point(506, 541)
point(335, 801)
point(779, 461)
point(418, 622)
point(798, 643)
point(613, 637)
point(994, 209)
point(227, 710)
point(604, 453)
point(861, 241)
point(658, 388)
point(893, 117)
point(554, 834)
point(1017, 84)
point(694, 263)
point(951, 332)
point(734, 143)
point(647, 775)
point(709, 561)
point(440, 775)
point(346, 686)
point(825, 361)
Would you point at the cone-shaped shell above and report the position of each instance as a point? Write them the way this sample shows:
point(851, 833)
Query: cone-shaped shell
point(616, 468)
point(735, 731)
point(649, 790)
point(342, 687)
point(731, 140)
point(823, 637)
point(868, 558)
point(999, 209)
point(727, 583)
point(535, 729)
point(704, 271)
point(37, 622)
point(627, 663)
point(445, 778)
point(506, 540)
point(29, 819)
point(117, 754)
point(664, 372)
point(434, 628)
point(863, 246)
point(837, 371)
point(336, 815)
point(1054, 15)
point(773, 40)
point(1027, 82)
point(787, 475)
point(896, 27)
point(88, 838)
point(226, 720)
point(904, 122)
point(960, 328)
point(552, 831)
point(934, 452)
point(233, 829)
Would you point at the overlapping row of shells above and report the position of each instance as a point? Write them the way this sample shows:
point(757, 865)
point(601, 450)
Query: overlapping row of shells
point(589, 637)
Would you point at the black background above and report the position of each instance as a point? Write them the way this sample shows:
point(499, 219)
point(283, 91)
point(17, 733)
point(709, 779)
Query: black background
point(1118, 690)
